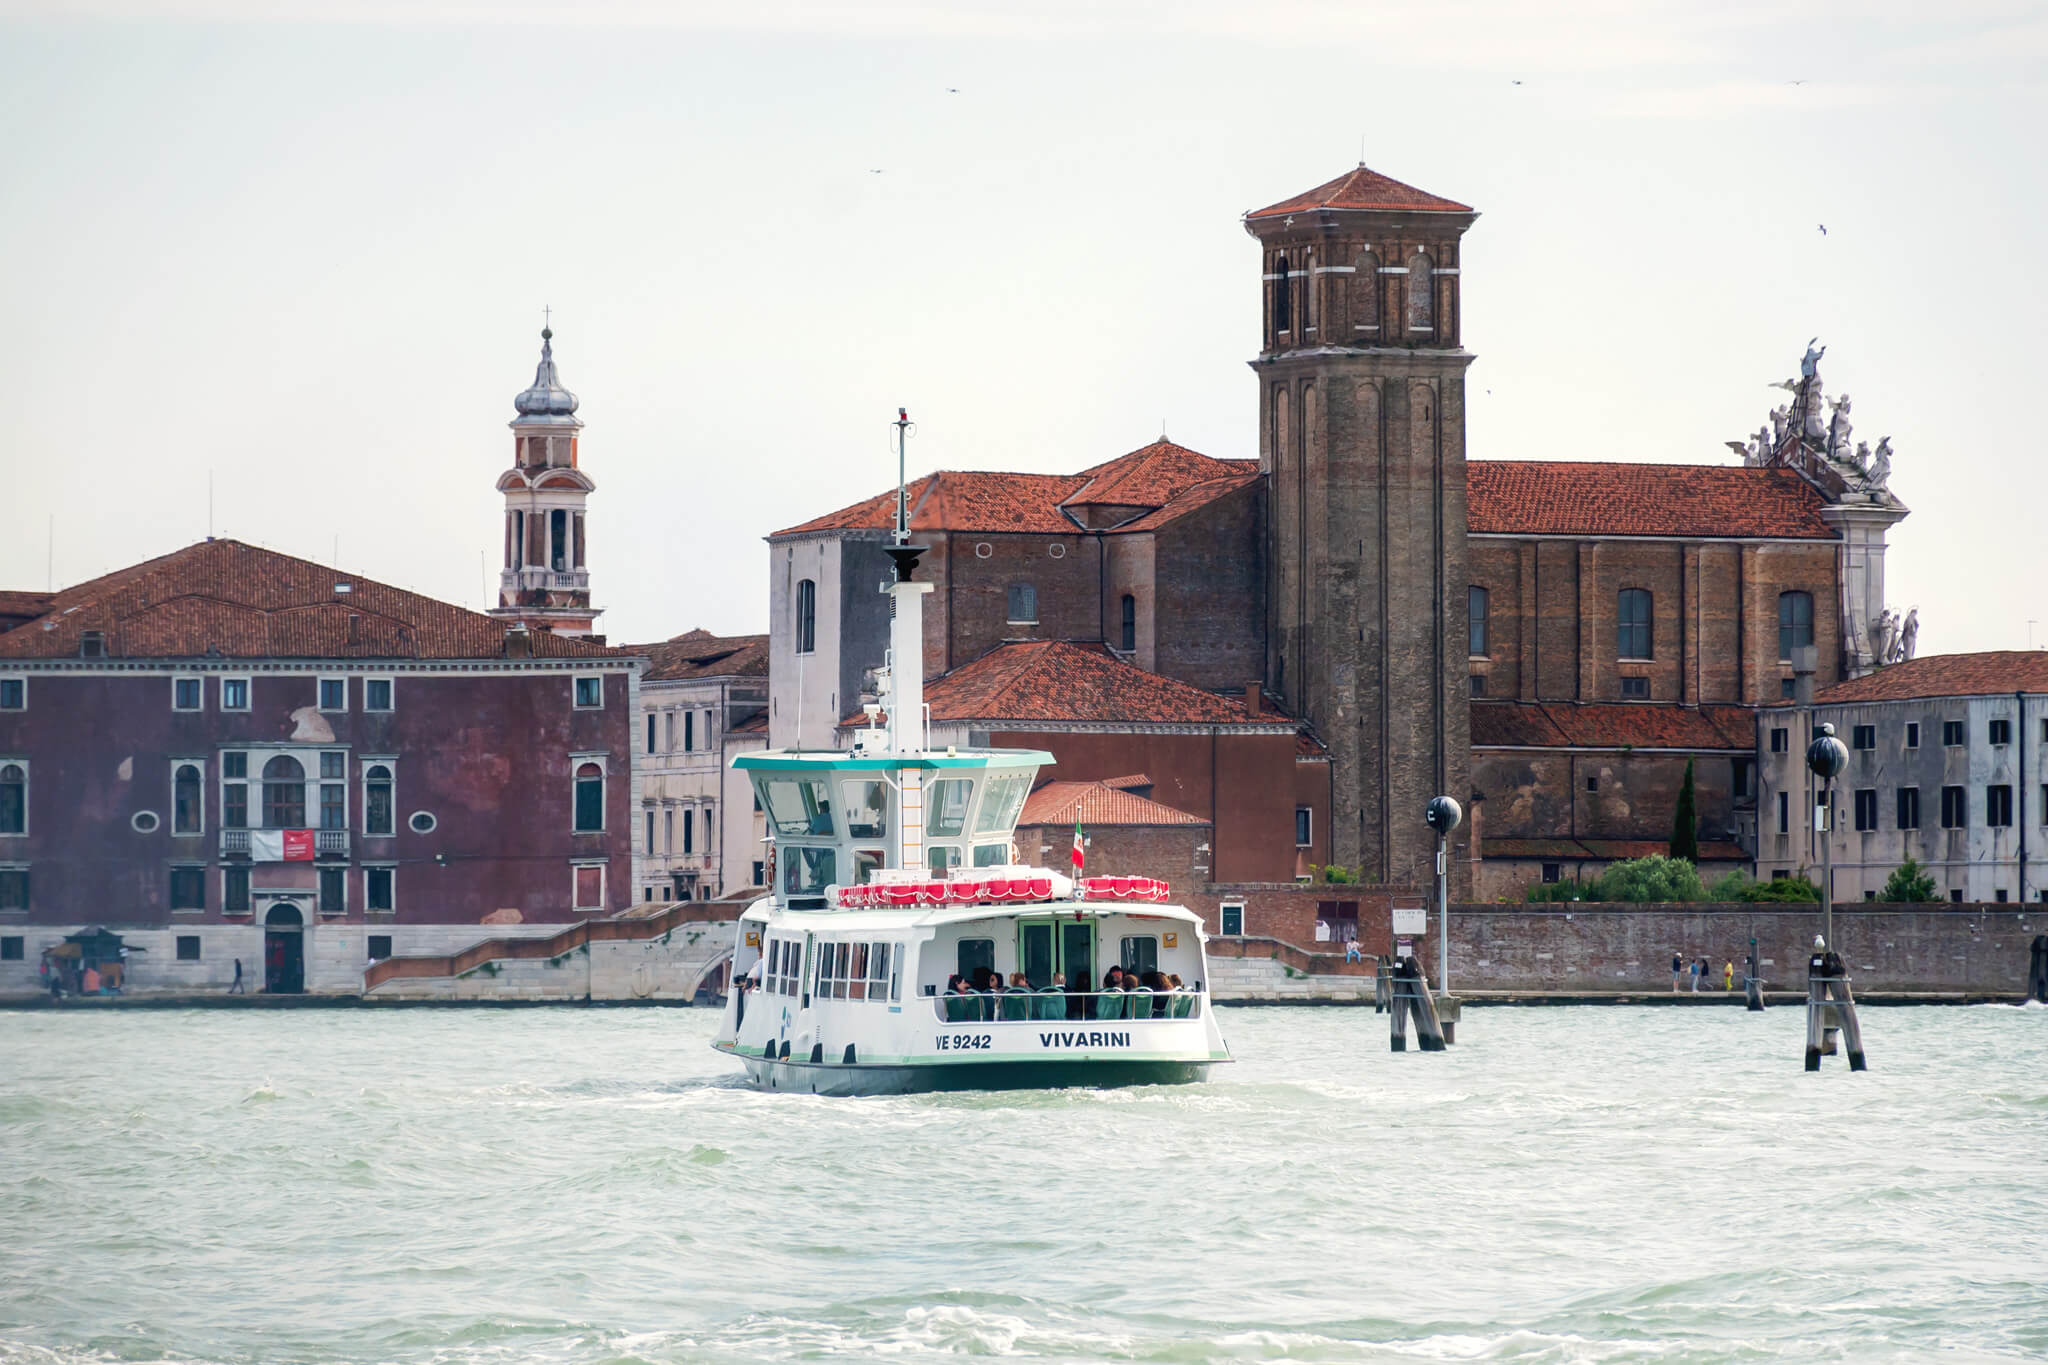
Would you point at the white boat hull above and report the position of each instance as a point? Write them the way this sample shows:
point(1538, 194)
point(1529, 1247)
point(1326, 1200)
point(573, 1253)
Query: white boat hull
point(1015, 1073)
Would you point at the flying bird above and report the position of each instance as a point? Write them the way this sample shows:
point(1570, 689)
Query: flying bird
point(952, 89)
point(1823, 229)
point(1795, 82)
point(873, 171)
point(1514, 82)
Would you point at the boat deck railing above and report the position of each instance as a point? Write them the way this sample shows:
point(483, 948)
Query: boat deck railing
point(1044, 1006)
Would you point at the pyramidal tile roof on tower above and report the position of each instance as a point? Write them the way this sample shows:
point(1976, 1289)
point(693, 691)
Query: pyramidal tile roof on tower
point(1363, 188)
point(225, 599)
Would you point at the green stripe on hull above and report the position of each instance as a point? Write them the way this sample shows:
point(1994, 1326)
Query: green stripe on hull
point(807, 1078)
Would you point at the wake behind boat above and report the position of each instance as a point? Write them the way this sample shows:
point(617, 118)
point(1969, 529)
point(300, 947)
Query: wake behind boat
point(896, 879)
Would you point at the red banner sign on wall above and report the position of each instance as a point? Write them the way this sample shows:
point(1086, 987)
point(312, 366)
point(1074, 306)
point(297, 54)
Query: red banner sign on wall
point(298, 845)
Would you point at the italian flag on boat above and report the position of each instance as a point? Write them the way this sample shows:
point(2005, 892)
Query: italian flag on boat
point(1080, 854)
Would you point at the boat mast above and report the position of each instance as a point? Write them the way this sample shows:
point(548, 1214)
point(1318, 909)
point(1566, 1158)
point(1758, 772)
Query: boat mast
point(906, 666)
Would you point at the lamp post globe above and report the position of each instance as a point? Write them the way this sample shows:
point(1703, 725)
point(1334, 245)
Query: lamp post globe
point(1827, 756)
point(1442, 814)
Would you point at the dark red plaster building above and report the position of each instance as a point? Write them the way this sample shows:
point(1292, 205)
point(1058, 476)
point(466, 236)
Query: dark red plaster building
point(231, 753)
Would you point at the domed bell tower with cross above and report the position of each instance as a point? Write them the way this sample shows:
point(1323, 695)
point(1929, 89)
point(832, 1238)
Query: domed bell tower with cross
point(545, 583)
point(1362, 441)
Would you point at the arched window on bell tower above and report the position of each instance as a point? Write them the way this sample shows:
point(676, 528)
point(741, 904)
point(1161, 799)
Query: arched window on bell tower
point(1365, 293)
point(1421, 293)
point(1283, 319)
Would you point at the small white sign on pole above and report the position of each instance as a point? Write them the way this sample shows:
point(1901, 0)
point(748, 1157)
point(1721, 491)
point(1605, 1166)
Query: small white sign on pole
point(1410, 921)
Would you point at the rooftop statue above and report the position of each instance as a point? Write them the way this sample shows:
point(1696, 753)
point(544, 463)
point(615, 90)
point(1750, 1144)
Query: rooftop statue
point(1909, 635)
point(1809, 364)
point(1880, 468)
point(1839, 427)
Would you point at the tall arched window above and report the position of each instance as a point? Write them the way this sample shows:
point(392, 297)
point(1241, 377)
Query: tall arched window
point(806, 616)
point(589, 799)
point(13, 799)
point(1421, 293)
point(284, 793)
point(1365, 292)
point(377, 803)
point(186, 811)
point(1308, 284)
point(1283, 313)
point(1130, 631)
point(1476, 599)
point(1795, 622)
point(1632, 624)
point(558, 540)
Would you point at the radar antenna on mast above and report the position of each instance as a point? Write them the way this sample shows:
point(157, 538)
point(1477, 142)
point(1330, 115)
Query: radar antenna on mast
point(904, 426)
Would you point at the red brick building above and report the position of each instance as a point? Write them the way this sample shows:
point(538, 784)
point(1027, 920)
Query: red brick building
point(1551, 642)
point(231, 753)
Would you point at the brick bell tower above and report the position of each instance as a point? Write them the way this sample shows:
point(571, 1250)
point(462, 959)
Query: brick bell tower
point(1362, 440)
point(545, 583)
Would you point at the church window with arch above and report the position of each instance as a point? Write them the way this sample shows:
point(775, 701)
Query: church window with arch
point(1421, 293)
point(1283, 318)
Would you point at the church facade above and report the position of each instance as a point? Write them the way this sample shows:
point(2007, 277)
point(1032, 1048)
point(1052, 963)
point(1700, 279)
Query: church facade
point(1553, 643)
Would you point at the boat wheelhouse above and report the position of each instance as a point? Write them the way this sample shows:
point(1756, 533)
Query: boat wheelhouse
point(896, 873)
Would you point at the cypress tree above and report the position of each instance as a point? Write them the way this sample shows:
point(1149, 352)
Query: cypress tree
point(1685, 825)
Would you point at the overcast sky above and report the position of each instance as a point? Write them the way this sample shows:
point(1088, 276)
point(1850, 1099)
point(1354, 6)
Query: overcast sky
point(309, 258)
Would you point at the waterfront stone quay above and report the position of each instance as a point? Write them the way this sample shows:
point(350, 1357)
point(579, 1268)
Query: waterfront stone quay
point(1934, 953)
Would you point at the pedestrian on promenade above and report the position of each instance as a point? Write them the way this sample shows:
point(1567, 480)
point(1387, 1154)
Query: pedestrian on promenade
point(1352, 952)
point(1695, 974)
point(1677, 966)
point(237, 988)
point(1728, 974)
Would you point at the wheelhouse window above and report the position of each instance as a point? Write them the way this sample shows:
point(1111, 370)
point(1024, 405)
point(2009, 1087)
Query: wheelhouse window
point(1002, 797)
point(799, 805)
point(808, 871)
point(589, 799)
point(947, 801)
point(806, 616)
point(1795, 622)
point(284, 793)
point(1632, 624)
point(1023, 604)
point(13, 798)
point(379, 799)
point(188, 807)
point(867, 809)
point(1476, 605)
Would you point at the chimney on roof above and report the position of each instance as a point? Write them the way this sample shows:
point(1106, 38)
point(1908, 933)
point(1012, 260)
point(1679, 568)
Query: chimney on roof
point(518, 642)
point(1252, 697)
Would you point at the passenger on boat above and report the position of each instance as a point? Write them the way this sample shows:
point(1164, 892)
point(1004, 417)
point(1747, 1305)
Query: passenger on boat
point(1110, 1004)
point(961, 1006)
point(988, 985)
point(1017, 999)
point(1052, 999)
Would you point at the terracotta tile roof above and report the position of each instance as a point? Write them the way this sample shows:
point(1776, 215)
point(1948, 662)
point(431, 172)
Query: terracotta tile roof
point(1153, 477)
point(1363, 188)
point(700, 654)
point(225, 599)
point(1135, 780)
point(1613, 850)
point(752, 725)
point(1053, 680)
point(1589, 498)
point(1948, 675)
point(16, 607)
point(1096, 804)
point(1611, 725)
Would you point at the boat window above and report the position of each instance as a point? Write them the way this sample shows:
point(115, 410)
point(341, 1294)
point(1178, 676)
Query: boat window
point(857, 971)
point(867, 809)
point(1141, 953)
point(878, 972)
point(942, 858)
point(991, 855)
point(948, 806)
point(798, 805)
point(1001, 798)
point(976, 952)
point(808, 871)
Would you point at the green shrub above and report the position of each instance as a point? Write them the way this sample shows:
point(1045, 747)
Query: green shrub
point(1545, 893)
point(1780, 891)
point(1733, 886)
point(1908, 883)
point(1336, 874)
point(1653, 879)
point(1685, 822)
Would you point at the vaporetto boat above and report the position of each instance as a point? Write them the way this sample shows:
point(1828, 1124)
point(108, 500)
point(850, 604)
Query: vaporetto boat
point(896, 872)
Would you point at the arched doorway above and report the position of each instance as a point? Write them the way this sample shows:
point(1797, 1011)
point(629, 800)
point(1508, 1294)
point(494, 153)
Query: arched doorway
point(284, 951)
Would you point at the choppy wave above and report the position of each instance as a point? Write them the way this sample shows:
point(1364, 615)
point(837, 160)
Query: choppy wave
point(591, 1188)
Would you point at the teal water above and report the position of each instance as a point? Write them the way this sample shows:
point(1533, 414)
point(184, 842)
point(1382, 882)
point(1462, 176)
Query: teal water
point(594, 1186)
